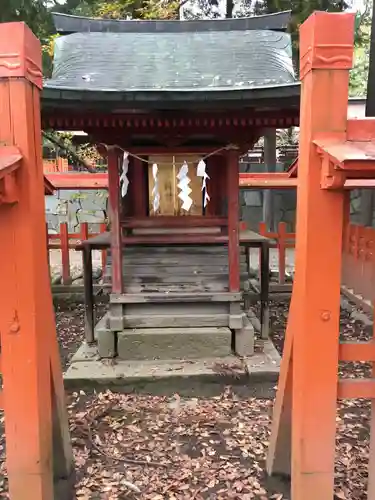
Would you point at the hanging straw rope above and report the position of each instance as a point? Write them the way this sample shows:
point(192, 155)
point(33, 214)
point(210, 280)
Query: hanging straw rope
point(224, 148)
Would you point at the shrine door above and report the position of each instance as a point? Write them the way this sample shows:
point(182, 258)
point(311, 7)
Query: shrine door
point(168, 168)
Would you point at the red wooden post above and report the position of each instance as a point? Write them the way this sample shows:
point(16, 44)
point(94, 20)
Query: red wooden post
point(114, 203)
point(33, 397)
point(326, 51)
point(65, 258)
point(84, 233)
point(281, 245)
point(233, 223)
point(263, 229)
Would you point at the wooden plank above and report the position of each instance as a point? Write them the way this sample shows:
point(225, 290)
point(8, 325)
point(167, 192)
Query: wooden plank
point(103, 240)
point(357, 351)
point(78, 180)
point(174, 296)
point(177, 288)
point(172, 279)
point(173, 221)
point(357, 388)
point(169, 321)
point(179, 270)
point(174, 239)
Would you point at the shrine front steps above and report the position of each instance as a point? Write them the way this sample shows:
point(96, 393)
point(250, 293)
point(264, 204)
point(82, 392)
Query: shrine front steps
point(178, 336)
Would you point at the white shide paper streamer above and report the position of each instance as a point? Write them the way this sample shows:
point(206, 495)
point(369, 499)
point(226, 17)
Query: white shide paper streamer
point(155, 191)
point(183, 185)
point(124, 181)
point(201, 172)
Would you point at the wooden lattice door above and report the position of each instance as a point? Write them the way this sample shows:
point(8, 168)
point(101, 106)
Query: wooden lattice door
point(168, 167)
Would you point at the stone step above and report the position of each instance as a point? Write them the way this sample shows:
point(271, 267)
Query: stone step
point(173, 343)
point(201, 377)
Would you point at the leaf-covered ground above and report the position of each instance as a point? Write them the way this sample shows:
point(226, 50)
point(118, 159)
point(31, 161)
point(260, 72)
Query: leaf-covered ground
point(130, 446)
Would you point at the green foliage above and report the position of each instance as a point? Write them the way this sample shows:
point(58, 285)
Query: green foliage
point(359, 73)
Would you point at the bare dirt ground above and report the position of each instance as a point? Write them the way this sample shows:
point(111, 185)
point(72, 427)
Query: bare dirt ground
point(132, 446)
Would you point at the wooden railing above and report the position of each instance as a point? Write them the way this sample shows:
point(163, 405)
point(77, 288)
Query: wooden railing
point(283, 240)
point(358, 266)
point(358, 259)
point(66, 241)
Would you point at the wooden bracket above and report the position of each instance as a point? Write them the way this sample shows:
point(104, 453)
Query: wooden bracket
point(10, 161)
point(331, 176)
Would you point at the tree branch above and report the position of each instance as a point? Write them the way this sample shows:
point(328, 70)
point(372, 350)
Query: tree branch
point(70, 149)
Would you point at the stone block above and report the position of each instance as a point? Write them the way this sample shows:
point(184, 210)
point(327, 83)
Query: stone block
point(106, 342)
point(173, 343)
point(235, 321)
point(244, 339)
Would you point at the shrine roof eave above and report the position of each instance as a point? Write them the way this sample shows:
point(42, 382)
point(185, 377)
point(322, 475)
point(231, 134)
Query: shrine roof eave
point(276, 97)
point(66, 24)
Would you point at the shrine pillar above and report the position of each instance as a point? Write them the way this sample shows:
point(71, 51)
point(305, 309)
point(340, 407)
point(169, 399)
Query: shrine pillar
point(114, 194)
point(233, 220)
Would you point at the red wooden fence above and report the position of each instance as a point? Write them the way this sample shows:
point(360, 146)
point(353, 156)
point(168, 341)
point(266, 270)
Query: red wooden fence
point(359, 260)
point(358, 269)
point(65, 241)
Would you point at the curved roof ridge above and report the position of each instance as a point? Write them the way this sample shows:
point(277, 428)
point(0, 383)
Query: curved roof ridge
point(68, 23)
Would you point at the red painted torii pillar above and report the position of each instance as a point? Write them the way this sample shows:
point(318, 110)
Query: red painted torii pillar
point(332, 151)
point(38, 451)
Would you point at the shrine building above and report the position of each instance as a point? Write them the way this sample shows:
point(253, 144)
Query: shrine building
point(173, 105)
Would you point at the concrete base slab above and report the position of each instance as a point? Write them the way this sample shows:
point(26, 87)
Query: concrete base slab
point(169, 376)
point(265, 364)
point(86, 352)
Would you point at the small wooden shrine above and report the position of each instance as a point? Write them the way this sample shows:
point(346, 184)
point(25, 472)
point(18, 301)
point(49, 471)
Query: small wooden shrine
point(173, 104)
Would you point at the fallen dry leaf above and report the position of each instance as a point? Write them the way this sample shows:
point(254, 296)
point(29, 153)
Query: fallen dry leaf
point(136, 446)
